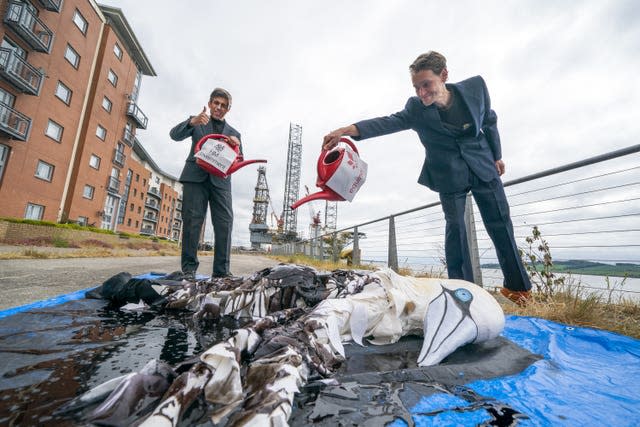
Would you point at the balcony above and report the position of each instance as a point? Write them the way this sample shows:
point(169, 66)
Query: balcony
point(113, 184)
point(150, 217)
point(149, 231)
point(13, 123)
point(17, 71)
point(118, 157)
point(151, 204)
point(153, 191)
point(27, 25)
point(128, 137)
point(52, 5)
point(136, 114)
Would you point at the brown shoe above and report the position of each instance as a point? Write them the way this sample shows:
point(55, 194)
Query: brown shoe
point(519, 297)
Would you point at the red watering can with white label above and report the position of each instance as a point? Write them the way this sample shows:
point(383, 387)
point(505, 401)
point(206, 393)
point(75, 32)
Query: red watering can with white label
point(215, 154)
point(341, 173)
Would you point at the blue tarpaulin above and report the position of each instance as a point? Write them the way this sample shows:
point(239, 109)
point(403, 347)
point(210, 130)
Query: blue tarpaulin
point(583, 377)
point(587, 377)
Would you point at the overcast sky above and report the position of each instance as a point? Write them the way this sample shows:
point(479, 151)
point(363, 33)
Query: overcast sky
point(563, 78)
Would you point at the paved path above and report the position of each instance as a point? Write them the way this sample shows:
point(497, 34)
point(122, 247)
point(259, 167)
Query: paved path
point(23, 281)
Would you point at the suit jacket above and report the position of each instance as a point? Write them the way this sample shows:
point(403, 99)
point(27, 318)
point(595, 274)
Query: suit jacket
point(448, 158)
point(191, 171)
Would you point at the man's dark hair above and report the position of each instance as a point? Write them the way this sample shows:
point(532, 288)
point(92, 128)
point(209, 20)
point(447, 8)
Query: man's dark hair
point(431, 60)
point(220, 93)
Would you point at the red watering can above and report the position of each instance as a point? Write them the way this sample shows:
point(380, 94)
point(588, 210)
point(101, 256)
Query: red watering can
point(215, 154)
point(341, 173)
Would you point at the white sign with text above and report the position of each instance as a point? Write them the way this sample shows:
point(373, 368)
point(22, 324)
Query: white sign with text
point(350, 175)
point(218, 154)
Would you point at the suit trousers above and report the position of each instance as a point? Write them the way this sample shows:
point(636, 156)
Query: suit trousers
point(494, 209)
point(196, 197)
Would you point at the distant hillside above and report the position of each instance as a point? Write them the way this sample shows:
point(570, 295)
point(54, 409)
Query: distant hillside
point(591, 268)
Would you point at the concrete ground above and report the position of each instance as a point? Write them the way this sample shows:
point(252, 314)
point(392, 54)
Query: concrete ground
point(23, 281)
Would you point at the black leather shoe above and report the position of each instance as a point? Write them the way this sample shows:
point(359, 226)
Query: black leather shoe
point(189, 275)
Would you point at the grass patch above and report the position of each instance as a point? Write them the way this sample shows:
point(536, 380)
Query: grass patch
point(97, 243)
point(32, 253)
point(318, 264)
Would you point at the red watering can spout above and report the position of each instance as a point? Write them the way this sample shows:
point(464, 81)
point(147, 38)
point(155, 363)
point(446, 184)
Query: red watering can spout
point(328, 163)
point(326, 194)
point(242, 163)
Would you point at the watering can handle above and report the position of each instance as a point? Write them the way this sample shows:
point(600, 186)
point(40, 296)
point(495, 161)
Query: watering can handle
point(346, 141)
point(349, 143)
point(218, 136)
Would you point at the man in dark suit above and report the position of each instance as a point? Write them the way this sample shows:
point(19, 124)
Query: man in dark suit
point(201, 188)
point(458, 129)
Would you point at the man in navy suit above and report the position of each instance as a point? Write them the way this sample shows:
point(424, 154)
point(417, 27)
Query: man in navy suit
point(458, 129)
point(201, 188)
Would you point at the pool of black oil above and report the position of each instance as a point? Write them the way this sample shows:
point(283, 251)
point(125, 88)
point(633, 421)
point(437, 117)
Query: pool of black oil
point(50, 355)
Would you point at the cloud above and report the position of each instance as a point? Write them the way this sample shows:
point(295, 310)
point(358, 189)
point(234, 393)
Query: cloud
point(562, 80)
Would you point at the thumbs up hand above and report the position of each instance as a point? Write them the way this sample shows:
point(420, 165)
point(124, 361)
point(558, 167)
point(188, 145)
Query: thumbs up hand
point(200, 119)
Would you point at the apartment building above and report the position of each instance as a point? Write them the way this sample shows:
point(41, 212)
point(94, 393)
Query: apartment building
point(70, 79)
point(163, 204)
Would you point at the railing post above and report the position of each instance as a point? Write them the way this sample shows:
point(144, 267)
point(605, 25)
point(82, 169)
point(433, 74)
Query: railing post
point(472, 240)
point(355, 256)
point(334, 247)
point(392, 251)
point(320, 248)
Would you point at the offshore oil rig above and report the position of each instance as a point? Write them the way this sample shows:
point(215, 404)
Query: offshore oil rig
point(284, 227)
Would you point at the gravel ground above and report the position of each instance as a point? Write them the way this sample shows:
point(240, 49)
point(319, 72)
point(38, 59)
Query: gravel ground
point(23, 281)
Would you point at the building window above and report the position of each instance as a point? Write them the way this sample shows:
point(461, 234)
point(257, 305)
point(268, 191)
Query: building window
point(34, 211)
point(113, 78)
point(135, 192)
point(137, 223)
point(129, 222)
point(54, 130)
point(44, 170)
point(107, 104)
point(137, 177)
point(63, 93)
point(83, 220)
point(101, 132)
point(117, 50)
point(144, 182)
point(94, 161)
point(72, 56)
point(131, 207)
point(139, 209)
point(80, 22)
point(4, 155)
point(87, 193)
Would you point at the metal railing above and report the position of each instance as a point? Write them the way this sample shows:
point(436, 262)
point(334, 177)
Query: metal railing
point(128, 137)
point(136, 113)
point(52, 5)
point(19, 72)
point(113, 184)
point(154, 192)
point(118, 157)
point(26, 23)
point(14, 123)
point(587, 210)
